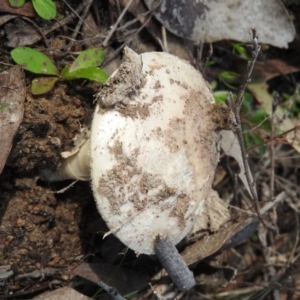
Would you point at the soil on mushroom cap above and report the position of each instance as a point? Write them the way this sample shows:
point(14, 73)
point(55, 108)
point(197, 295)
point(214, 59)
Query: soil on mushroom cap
point(39, 228)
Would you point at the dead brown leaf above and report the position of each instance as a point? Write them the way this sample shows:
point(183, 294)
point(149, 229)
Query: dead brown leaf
point(209, 244)
point(273, 68)
point(124, 280)
point(20, 33)
point(26, 10)
point(211, 21)
point(13, 92)
point(214, 274)
point(64, 293)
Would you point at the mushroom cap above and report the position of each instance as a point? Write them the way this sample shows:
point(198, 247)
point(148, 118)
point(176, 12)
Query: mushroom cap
point(154, 151)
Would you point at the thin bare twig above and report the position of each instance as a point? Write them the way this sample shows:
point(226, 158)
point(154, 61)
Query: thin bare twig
point(118, 50)
point(237, 105)
point(272, 148)
point(38, 29)
point(110, 290)
point(86, 9)
point(113, 29)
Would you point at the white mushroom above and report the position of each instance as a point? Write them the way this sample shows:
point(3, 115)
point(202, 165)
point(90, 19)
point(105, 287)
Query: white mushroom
point(154, 149)
point(154, 153)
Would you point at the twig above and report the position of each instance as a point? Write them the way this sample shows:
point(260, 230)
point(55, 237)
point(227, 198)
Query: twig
point(281, 135)
point(237, 105)
point(118, 50)
point(38, 29)
point(104, 44)
point(291, 259)
point(87, 5)
point(56, 25)
point(256, 48)
point(272, 148)
point(164, 38)
point(250, 225)
point(110, 290)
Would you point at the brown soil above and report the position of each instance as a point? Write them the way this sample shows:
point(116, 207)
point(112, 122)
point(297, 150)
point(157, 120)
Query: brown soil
point(38, 227)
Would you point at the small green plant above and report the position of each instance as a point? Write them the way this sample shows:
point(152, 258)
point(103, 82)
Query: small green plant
point(85, 66)
point(3, 106)
point(240, 50)
point(46, 9)
point(228, 77)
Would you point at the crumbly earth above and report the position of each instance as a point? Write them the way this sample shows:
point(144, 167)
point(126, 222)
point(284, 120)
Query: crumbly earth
point(39, 228)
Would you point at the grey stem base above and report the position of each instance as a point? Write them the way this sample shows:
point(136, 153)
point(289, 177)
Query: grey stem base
point(174, 264)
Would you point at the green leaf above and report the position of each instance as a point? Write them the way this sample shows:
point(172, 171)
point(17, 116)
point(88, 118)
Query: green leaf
point(220, 96)
point(3, 106)
point(228, 76)
point(16, 3)
point(34, 61)
point(43, 85)
point(91, 73)
point(46, 9)
point(89, 58)
point(241, 50)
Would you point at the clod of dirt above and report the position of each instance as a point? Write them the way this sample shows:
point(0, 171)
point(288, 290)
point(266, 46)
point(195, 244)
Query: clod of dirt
point(39, 228)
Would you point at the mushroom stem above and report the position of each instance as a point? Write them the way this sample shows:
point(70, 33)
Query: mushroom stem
point(76, 166)
point(174, 264)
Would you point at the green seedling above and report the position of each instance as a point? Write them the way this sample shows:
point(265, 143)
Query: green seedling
point(46, 9)
point(3, 106)
point(85, 66)
point(241, 50)
point(228, 77)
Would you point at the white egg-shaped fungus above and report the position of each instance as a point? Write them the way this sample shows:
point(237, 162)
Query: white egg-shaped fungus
point(154, 149)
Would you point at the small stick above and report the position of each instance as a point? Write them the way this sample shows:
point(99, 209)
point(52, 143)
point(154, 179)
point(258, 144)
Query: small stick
point(38, 29)
point(110, 290)
point(174, 264)
point(113, 29)
point(237, 104)
point(86, 9)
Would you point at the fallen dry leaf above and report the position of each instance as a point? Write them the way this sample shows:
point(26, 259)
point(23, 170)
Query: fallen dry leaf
point(26, 10)
point(13, 92)
point(20, 33)
point(211, 21)
point(215, 214)
point(64, 293)
point(231, 234)
point(124, 280)
point(273, 68)
point(214, 275)
point(209, 244)
point(174, 43)
point(231, 147)
point(259, 89)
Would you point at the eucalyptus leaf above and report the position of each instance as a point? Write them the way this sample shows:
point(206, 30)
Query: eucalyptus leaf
point(46, 9)
point(210, 21)
point(91, 73)
point(89, 58)
point(43, 85)
point(34, 61)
